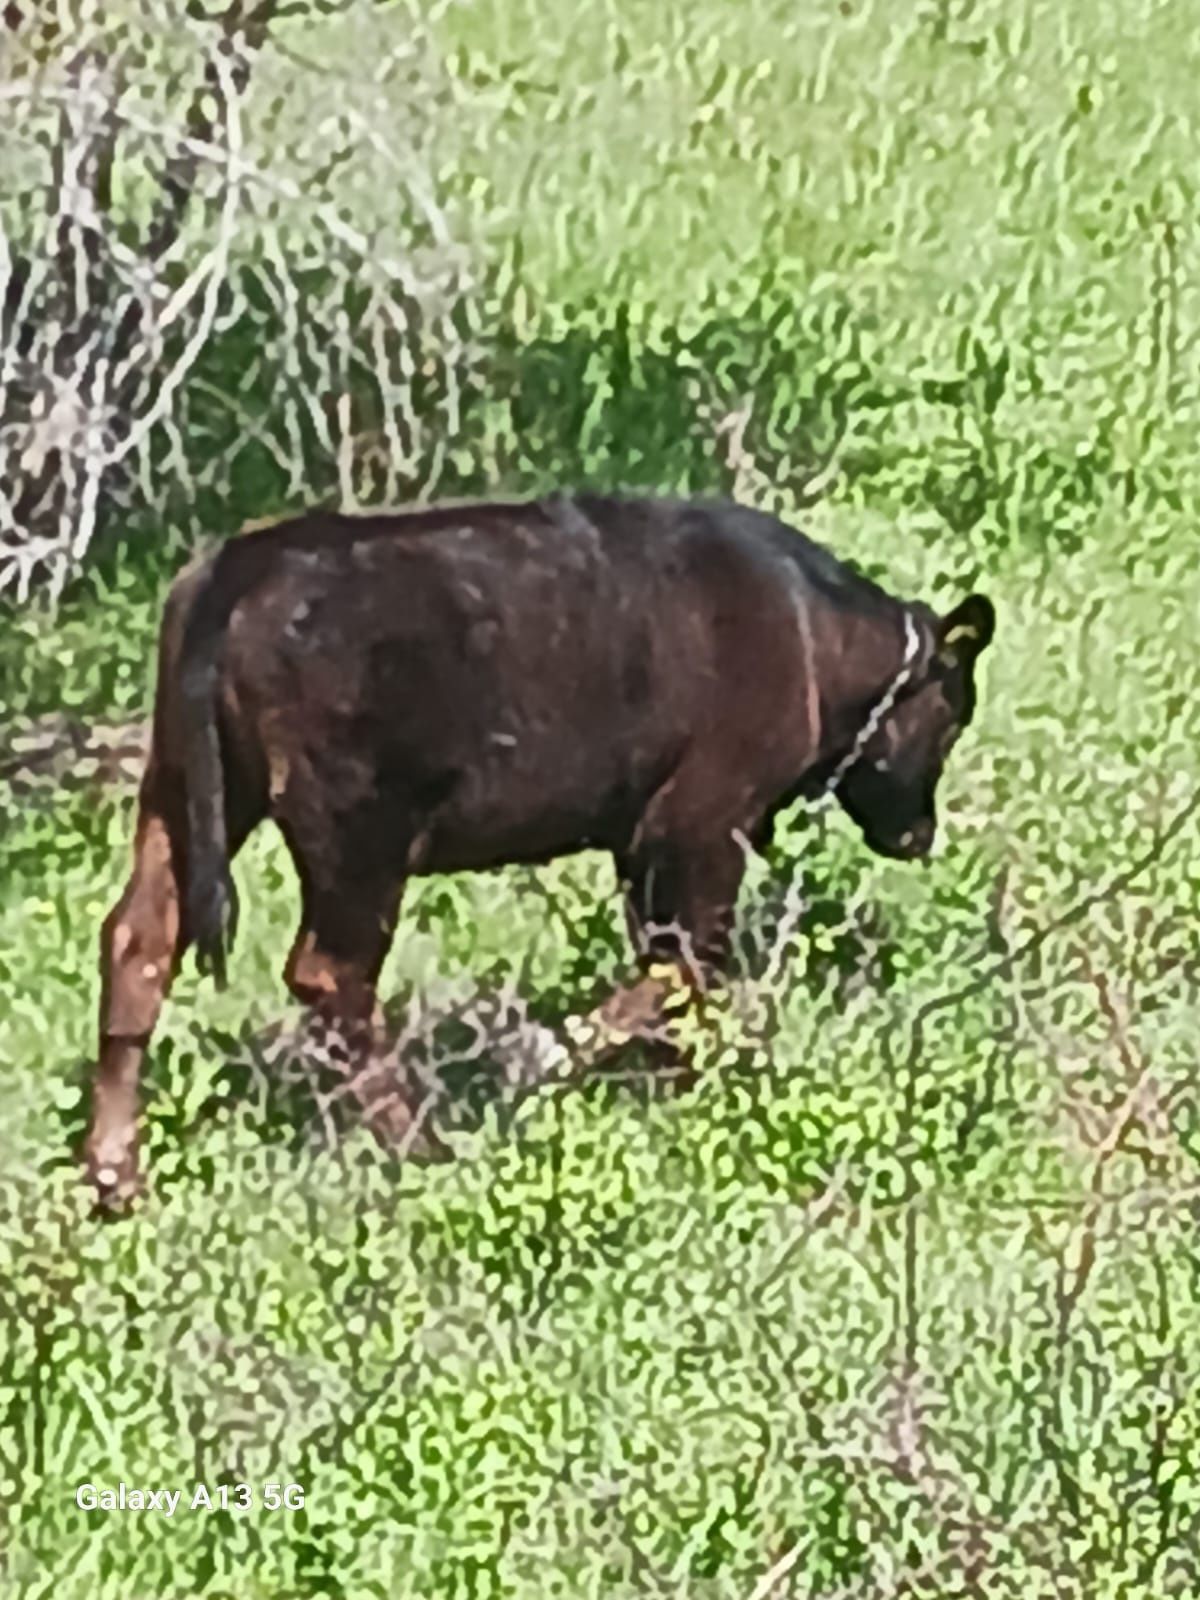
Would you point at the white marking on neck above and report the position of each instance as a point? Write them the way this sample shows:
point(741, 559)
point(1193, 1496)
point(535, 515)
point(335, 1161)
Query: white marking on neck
point(811, 691)
point(912, 646)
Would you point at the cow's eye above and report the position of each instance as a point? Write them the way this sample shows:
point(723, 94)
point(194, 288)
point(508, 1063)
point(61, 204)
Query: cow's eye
point(882, 764)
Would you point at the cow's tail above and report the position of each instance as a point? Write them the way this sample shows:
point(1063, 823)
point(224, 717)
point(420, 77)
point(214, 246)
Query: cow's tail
point(212, 907)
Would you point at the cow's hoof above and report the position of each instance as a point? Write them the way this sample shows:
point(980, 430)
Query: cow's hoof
point(115, 1189)
point(593, 1041)
point(406, 1133)
point(426, 1147)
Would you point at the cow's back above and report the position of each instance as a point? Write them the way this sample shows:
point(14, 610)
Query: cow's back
point(523, 676)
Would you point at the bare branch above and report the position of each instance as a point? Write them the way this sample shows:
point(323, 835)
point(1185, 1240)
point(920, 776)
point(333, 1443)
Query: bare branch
point(769, 1583)
point(1127, 1116)
point(243, 29)
point(101, 331)
point(824, 472)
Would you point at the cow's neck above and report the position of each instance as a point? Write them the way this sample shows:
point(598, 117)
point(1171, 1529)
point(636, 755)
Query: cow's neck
point(860, 662)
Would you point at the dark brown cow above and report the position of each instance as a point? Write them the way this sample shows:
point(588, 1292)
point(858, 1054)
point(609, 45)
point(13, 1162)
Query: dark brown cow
point(466, 686)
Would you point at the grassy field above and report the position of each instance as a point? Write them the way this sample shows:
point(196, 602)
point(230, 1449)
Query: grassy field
point(905, 1297)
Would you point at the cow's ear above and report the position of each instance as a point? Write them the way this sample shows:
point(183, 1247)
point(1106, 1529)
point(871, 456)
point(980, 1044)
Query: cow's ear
point(968, 629)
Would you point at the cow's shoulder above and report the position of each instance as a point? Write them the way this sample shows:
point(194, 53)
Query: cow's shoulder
point(663, 527)
point(827, 579)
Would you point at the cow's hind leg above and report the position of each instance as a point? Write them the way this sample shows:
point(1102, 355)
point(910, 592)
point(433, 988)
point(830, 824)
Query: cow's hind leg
point(345, 931)
point(141, 944)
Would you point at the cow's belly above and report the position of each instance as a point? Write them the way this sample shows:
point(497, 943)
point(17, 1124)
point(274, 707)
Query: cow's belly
point(499, 814)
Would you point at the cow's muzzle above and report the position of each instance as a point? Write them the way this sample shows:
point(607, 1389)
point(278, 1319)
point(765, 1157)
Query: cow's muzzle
point(912, 845)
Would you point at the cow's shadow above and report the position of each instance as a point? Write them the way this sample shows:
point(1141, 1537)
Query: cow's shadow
point(465, 1065)
point(479, 1052)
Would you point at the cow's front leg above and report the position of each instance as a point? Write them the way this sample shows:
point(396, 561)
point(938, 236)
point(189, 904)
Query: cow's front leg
point(681, 894)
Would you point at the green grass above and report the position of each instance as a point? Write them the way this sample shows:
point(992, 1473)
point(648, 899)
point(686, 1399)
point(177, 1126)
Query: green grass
point(910, 1282)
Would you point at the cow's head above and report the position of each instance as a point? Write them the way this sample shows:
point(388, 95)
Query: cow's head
point(889, 790)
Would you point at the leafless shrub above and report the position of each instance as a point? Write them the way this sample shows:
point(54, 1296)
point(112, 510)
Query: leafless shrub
point(173, 192)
